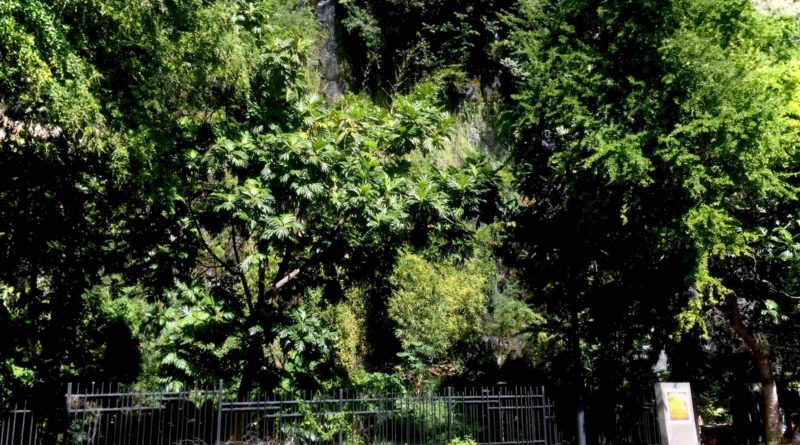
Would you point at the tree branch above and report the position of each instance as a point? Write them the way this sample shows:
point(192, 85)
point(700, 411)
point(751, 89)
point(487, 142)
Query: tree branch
point(262, 271)
point(234, 270)
point(242, 276)
point(223, 263)
point(287, 277)
point(738, 326)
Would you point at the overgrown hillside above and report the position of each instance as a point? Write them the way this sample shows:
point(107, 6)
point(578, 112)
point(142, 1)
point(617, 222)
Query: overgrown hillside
point(392, 195)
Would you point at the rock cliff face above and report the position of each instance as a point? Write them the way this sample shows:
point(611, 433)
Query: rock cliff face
point(331, 81)
point(790, 7)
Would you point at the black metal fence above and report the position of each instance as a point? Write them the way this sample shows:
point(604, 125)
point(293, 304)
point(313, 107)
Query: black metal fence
point(121, 414)
point(118, 414)
point(19, 426)
point(639, 426)
point(99, 414)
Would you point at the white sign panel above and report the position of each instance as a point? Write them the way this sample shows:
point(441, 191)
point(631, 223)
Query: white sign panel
point(676, 418)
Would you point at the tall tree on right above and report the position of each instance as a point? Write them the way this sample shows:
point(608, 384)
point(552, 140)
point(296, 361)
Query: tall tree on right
point(666, 134)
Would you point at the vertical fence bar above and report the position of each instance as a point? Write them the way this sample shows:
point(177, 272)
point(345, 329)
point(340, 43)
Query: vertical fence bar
point(449, 413)
point(531, 410)
point(14, 422)
point(341, 410)
point(485, 398)
point(547, 412)
point(33, 426)
point(407, 403)
point(103, 421)
point(162, 418)
point(219, 414)
point(515, 417)
point(24, 418)
point(68, 401)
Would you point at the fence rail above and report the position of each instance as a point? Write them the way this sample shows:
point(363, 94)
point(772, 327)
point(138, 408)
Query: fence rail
point(640, 425)
point(19, 426)
point(115, 414)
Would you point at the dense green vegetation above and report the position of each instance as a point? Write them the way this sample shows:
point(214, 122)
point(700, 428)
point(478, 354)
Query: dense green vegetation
point(538, 191)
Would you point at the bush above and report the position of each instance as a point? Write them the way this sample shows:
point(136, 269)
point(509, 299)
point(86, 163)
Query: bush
point(436, 305)
point(462, 441)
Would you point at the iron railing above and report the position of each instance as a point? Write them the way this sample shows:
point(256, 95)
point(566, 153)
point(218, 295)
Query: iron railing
point(116, 414)
point(487, 416)
point(639, 426)
point(19, 426)
point(126, 415)
point(106, 414)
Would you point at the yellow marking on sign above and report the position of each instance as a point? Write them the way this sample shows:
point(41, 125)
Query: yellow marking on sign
point(678, 403)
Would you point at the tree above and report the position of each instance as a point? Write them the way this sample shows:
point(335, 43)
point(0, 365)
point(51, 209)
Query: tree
point(98, 107)
point(320, 204)
point(169, 161)
point(56, 176)
point(735, 108)
point(653, 133)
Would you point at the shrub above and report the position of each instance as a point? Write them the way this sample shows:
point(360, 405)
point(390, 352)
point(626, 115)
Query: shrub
point(436, 305)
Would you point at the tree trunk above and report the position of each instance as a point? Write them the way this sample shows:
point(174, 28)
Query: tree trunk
point(772, 415)
point(580, 411)
point(243, 392)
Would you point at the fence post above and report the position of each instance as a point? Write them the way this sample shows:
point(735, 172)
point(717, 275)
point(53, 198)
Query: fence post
point(14, 423)
point(500, 401)
point(341, 410)
point(67, 396)
point(219, 414)
point(67, 401)
point(449, 414)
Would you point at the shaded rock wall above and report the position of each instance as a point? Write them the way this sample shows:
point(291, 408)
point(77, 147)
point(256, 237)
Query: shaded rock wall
point(331, 81)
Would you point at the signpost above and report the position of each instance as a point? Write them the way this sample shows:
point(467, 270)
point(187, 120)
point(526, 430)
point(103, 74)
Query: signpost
point(676, 419)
